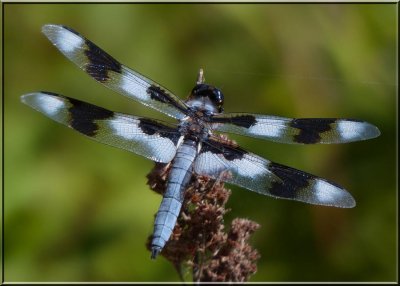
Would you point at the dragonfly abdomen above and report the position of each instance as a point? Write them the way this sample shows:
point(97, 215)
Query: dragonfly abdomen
point(171, 203)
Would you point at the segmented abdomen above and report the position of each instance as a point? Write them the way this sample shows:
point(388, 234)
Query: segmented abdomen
point(171, 203)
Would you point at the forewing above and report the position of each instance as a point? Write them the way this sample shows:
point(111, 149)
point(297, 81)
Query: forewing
point(108, 71)
point(146, 137)
point(265, 177)
point(298, 131)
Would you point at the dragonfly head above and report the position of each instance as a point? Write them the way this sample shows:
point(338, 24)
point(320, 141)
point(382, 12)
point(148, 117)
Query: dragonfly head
point(206, 97)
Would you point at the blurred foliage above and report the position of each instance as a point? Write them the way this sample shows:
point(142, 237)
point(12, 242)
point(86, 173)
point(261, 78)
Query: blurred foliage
point(76, 210)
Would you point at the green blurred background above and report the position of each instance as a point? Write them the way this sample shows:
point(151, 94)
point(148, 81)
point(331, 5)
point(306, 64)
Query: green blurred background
point(76, 210)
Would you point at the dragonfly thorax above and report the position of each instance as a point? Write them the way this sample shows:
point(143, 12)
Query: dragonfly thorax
point(194, 128)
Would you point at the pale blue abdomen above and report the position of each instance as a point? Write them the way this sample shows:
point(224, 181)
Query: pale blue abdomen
point(171, 203)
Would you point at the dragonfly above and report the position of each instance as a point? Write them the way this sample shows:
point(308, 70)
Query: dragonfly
point(193, 145)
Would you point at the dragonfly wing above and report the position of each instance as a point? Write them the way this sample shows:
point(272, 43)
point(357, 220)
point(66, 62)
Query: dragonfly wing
point(150, 138)
point(108, 71)
point(265, 177)
point(298, 131)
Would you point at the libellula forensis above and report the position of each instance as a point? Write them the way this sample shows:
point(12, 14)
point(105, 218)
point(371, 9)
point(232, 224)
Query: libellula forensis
point(191, 145)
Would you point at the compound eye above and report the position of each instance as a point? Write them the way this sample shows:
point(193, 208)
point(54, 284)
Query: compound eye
point(219, 99)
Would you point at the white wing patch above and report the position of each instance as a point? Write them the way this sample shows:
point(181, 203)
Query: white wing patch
point(133, 86)
point(211, 163)
point(63, 39)
point(325, 192)
point(268, 127)
point(247, 167)
point(128, 129)
point(49, 105)
point(330, 195)
point(350, 130)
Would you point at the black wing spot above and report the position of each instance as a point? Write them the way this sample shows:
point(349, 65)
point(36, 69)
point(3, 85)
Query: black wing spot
point(158, 94)
point(293, 181)
point(151, 127)
point(100, 63)
point(84, 114)
point(230, 153)
point(245, 121)
point(310, 130)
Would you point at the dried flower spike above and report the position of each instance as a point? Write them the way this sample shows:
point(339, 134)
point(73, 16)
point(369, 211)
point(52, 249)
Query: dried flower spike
point(199, 244)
